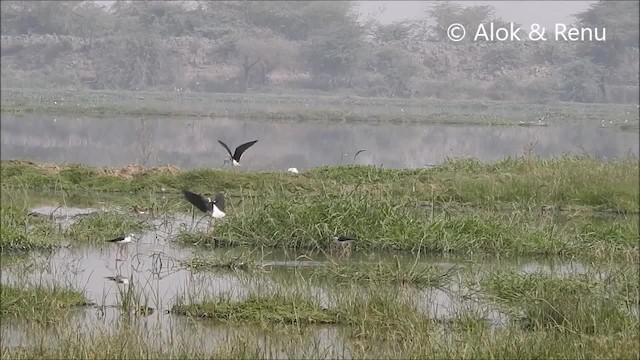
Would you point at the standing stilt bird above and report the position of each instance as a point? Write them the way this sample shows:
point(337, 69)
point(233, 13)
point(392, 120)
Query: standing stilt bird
point(122, 240)
point(234, 158)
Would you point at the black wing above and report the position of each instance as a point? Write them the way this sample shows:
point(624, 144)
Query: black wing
point(242, 148)
point(196, 200)
point(219, 201)
point(226, 147)
point(116, 239)
point(346, 238)
point(358, 153)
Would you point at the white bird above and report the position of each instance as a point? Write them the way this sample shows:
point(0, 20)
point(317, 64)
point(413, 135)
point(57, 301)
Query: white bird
point(293, 170)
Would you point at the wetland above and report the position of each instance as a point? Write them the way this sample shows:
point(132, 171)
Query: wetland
point(520, 243)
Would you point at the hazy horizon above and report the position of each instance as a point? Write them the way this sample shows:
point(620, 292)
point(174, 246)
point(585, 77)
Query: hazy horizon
point(545, 13)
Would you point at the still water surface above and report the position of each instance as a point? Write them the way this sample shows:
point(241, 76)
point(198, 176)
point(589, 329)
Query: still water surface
point(192, 143)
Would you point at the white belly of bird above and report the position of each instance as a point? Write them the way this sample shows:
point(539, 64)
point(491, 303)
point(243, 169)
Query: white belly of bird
point(234, 162)
point(126, 240)
point(217, 213)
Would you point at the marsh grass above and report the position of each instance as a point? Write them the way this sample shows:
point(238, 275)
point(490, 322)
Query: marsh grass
point(526, 181)
point(241, 262)
point(19, 232)
point(277, 308)
point(380, 223)
point(392, 274)
point(39, 303)
point(575, 304)
point(98, 227)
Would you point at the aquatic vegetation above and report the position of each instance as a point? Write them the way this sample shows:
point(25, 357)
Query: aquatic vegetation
point(39, 303)
point(19, 232)
point(98, 227)
point(575, 304)
point(208, 302)
point(277, 308)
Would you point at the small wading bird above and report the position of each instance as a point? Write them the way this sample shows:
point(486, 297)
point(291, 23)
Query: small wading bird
point(215, 207)
point(234, 158)
point(344, 244)
point(122, 240)
point(118, 279)
point(140, 210)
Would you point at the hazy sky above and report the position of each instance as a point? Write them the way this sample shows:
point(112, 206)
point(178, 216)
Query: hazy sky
point(545, 13)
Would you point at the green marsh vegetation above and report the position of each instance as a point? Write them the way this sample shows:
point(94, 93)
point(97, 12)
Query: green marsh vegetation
point(565, 208)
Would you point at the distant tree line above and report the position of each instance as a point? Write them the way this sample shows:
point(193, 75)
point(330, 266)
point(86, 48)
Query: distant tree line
point(239, 46)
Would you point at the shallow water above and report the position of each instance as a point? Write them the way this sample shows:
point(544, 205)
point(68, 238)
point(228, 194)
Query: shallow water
point(152, 262)
point(192, 143)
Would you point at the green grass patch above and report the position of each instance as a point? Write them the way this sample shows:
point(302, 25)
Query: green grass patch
point(575, 304)
point(242, 262)
point(526, 181)
point(383, 273)
point(38, 303)
point(381, 222)
point(98, 227)
point(277, 308)
point(18, 232)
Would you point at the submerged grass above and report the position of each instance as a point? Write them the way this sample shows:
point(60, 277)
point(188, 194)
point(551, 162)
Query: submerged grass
point(242, 262)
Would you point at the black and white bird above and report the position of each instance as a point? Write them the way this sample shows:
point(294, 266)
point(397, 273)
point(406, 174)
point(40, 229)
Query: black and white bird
point(122, 240)
point(234, 158)
point(344, 240)
point(215, 207)
point(119, 279)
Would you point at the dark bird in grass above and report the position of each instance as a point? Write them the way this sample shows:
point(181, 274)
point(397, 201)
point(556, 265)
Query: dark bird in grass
point(344, 244)
point(122, 240)
point(344, 240)
point(118, 279)
point(215, 207)
point(234, 158)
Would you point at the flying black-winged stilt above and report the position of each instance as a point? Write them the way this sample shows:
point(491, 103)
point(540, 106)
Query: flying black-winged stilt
point(122, 240)
point(234, 158)
point(215, 207)
point(119, 279)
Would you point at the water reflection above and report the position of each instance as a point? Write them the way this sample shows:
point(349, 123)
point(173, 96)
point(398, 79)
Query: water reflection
point(193, 143)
